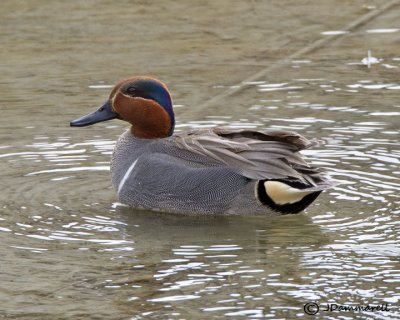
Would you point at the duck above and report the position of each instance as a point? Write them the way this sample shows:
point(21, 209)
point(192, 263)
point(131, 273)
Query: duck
point(213, 171)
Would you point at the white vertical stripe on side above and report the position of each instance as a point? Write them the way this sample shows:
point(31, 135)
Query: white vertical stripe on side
point(126, 176)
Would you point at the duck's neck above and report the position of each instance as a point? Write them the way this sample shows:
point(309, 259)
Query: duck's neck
point(156, 132)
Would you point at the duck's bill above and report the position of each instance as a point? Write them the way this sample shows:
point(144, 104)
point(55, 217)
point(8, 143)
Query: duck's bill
point(103, 113)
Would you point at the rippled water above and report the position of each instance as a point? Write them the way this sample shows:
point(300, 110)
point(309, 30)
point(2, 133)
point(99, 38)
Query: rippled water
point(71, 251)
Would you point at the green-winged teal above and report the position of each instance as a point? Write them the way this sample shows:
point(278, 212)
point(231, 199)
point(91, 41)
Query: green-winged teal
point(211, 171)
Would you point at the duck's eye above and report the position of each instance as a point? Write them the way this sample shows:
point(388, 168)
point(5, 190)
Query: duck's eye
point(131, 90)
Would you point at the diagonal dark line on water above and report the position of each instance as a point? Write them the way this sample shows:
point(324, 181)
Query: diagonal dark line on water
point(305, 50)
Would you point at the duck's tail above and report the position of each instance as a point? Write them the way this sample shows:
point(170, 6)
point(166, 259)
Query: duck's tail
point(292, 195)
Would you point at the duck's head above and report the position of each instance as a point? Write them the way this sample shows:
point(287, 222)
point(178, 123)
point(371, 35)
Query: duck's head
point(142, 101)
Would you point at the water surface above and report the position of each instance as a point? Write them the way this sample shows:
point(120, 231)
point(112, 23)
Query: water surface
point(71, 251)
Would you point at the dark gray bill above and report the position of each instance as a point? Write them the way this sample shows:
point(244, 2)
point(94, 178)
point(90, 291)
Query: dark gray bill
point(103, 113)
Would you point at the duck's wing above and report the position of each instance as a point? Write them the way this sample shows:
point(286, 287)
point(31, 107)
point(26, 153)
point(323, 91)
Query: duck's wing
point(267, 154)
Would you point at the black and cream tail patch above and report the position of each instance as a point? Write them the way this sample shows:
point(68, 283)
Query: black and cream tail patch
point(286, 196)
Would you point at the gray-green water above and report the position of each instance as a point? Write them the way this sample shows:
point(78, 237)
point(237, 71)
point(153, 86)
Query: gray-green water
point(70, 251)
